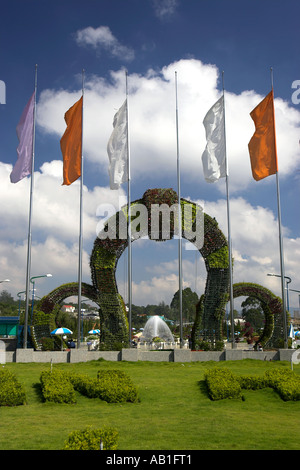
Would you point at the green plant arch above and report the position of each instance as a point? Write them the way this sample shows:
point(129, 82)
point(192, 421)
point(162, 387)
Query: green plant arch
point(272, 333)
point(49, 301)
point(272, 308)
point(107, 252)
point(210, 310)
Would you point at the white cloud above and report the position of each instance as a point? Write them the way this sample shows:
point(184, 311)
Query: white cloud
point(165, 9)
point(152, 127)
point(55, 225)
point(101, 38)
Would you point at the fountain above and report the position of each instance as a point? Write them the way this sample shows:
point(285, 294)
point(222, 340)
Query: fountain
point(156, 327)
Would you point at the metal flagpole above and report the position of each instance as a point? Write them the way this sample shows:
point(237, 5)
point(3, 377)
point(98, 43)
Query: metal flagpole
point(179, 220)
point(129, 224)
point(29, 222)
point(233, 345)
point(285, 337)
point(80, 226)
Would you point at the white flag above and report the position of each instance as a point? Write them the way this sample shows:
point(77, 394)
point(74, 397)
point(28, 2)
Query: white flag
point(213, 157)
point(117, 149)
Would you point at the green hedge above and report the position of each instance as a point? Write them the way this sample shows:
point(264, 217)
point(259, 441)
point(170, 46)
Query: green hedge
point(111, 386)
point(12, 392)
point(56, 387)
point(250, 382)
point(91, 439)
point(222, 383)
point(117, 386)
point(285, 382)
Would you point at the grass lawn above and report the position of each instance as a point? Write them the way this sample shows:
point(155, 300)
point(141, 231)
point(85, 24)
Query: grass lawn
point(174, 412)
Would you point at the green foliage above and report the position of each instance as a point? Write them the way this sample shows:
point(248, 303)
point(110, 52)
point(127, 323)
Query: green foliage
point(285, 382)
point(12, 392)
point(117, 387)
point(91, 439)
point(111, 386)
point(209, 346)
point(222, 383)
point(47, 344)
point(219, 258)
point(250, 382)
point(56, 387)
point(189, 302)
point(272, 309)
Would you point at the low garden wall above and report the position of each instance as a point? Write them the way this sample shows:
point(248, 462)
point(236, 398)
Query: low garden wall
point(176, 355)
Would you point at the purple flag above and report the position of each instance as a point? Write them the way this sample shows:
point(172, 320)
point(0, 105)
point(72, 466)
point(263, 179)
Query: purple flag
point(23, 165)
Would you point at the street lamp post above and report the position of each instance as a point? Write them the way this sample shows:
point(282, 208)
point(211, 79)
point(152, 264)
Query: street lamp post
point(19, 295)
point(286, 307)
point(33, 284)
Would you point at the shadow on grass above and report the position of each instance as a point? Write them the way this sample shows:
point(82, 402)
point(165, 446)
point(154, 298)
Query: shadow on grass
point(37, 387)
point(203, 388)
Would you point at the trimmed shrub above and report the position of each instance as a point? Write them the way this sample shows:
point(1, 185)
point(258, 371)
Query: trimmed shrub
point(91, 439)
point(250, 382)
point(56, 387)
point(12, 392)
point(112, 386)
point(222, 383)
point(285, 382)
point(116, 386)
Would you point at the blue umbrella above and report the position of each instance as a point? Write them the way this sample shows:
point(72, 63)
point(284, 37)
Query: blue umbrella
point(61, 331)
point(94, 332)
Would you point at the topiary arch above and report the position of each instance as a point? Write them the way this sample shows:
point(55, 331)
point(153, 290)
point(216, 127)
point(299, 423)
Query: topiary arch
point(107, 251)
point(47, 303)
point(272, 307)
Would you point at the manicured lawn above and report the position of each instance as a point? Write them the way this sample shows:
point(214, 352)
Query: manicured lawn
point(174, 412)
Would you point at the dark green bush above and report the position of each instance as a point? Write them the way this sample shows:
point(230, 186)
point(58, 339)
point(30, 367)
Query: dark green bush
point(116, 386)
point(12, 392)
point(250, 382)
point(112, 386)
point(47, 344)
point(222, 383)
point(285, 382)
point(56, 387)
point(91, 439)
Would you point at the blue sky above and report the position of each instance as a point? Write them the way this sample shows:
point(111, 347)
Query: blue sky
point(151, 39)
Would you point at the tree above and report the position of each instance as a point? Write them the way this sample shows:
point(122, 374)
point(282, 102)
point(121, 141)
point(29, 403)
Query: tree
point(8, 306)
point(189, 302)
point(253, 314)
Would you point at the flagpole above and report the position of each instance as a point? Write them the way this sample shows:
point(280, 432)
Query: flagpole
point(29, 220)
point(233, 345)
point(129, 224)
point(179, 220)
point(282, 269)
point(80, 226)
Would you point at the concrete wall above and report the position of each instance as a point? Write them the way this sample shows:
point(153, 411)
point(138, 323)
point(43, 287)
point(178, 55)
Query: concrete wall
point(176, 355)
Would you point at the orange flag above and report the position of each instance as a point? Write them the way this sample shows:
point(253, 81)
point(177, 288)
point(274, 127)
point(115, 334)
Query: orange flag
point(262, 146)
point(71, 143)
